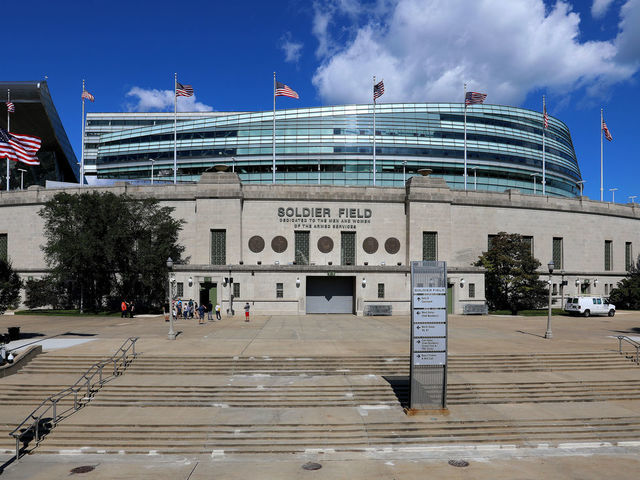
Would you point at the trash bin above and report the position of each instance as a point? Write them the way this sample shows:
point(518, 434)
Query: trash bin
point(14, 333)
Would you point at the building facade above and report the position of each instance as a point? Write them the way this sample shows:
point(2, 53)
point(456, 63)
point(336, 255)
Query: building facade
point(334, 146)
point(297, 249)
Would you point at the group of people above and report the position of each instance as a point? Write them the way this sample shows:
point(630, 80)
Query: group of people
point(127, 309)
point(191, 309)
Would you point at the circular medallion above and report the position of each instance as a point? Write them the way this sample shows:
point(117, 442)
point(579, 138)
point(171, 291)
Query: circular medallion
point(279, 244)
point(256, 244)
point(370, 245)
point(392, 245)
point(325, 244)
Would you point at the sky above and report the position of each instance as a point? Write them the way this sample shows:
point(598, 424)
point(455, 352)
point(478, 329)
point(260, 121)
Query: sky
point(582, 55)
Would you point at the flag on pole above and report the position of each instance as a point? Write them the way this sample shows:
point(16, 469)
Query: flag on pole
point(378, 90)
point(88, 96)
point(283, 90)
point(471, 98)
point(607, 133)
point(184, 90)
point(11, 107)
point(19, 148)
point(545, 117)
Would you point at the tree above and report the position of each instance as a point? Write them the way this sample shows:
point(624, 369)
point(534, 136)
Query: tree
point(44, 292)
point(512, 280)
point(626, 295)
point(10, 285)
point(103, 247)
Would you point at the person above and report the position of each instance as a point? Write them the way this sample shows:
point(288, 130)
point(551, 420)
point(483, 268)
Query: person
point(179, 309)
point(190, 308)
point(123, 309)
point(209, 311)
point(246, 311)
point(132, 309)
point(218, 317)
point(195, 309)
point(201, 310)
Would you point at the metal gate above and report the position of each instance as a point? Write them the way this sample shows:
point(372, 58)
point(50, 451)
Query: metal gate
point(330, 294)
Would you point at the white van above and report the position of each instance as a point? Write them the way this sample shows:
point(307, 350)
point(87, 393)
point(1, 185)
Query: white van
point(587, 306)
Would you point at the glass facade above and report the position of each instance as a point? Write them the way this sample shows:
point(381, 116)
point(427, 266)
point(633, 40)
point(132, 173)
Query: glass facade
point(504, 146)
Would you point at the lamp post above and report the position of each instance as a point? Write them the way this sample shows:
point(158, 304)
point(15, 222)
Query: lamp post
point(581, 184)
point(613, 194)
point(152, 160)
point(404, 171)
point(172, 334)
point(475, 177)
point(233, 164)
point(318, 171)
point(534, 175)
point(21, 170)
point(548, 333)
point(632, 198)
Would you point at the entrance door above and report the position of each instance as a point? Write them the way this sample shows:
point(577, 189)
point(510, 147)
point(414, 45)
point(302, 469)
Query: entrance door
point(208, 293)
point(450, 298)
point(330, 294)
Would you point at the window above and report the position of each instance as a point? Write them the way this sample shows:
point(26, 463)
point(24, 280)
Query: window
point(608, 247)
point(490, 241)
point(218, 247)
point(557, 256)
point(606, 289)
point(429, 245)
point(472, 290)
point(528, 241)
point(236, 290)
point(348, 248)
point(628, 256)
point(3, 247)
point(180, 292)
point(381, 290)
point(302, 248)
point(279, 290)
point(554, 289)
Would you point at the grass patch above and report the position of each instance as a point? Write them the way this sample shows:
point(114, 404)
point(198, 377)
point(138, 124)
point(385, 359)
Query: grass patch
point(530, 313)
point(65, 313)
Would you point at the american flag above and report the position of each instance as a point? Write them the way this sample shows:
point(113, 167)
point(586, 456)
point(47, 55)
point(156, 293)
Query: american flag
point(184, 90)
point(88, 96)
point(472, 98)
point(607, 133)
point(19, 148)
point(378, 90)
point(283, 90)
point(11, 107)
point(545, 117)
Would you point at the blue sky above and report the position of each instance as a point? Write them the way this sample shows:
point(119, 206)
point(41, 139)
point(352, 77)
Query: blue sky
point(583, 55)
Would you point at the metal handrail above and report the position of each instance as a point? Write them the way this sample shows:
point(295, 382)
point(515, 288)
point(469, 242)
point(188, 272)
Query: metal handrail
point(85, 381)
point(632, 342)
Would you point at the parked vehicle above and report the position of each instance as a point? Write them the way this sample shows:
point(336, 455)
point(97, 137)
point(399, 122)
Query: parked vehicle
point(587, 306)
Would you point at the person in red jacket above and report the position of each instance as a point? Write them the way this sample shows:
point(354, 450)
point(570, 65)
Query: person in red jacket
point(123, 309)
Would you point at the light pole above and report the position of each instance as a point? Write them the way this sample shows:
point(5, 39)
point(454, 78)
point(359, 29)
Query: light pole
point(581, 184)
point(534, 175)
point(475, 178)
point(233, 164)
point(318, 171)
point(613, 194)
point(21, 170)
point(172, 279)
point(632, 197)
point(548, 333)
point(152, 162)
point(404, 171)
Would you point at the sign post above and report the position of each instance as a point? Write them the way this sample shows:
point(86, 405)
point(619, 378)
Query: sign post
point(428, 375)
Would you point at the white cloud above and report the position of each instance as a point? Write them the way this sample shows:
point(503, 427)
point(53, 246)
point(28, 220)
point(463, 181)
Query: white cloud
point(152, 100)
point(426, 49)
point(599, 8)
point(292, 50)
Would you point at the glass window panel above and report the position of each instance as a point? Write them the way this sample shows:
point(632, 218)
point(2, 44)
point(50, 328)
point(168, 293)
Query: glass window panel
point(218, 247)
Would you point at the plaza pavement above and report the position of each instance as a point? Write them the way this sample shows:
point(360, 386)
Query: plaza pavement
point(340, 335)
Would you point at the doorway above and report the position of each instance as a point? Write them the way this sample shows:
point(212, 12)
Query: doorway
point(208, 293)
point(330, 294)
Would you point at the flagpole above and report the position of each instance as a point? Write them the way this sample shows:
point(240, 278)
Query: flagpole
point(175, 129)
point(82, 140)
point(465, 136)
point(8, 129)
point(544, 173)
point(273, 139)
point(601, 162)
point(374, 133)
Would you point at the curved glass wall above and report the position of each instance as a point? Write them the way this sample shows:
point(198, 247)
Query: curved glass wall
point(334, 145)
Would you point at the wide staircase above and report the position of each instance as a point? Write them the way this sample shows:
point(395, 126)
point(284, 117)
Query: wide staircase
point(240, 405)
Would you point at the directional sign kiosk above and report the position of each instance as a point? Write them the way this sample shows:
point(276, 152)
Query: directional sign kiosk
point(428, 336)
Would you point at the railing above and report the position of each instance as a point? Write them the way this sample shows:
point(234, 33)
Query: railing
point(46, 415)
point(633, 343)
